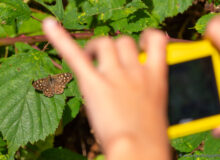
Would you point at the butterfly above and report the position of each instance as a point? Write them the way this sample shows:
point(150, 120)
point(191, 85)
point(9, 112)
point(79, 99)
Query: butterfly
point(54, 84)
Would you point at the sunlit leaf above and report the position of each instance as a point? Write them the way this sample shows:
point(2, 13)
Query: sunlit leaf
point(25, 114)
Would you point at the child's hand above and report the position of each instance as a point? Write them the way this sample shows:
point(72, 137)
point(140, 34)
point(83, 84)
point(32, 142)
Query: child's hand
point(213, 33)
point(126, 102)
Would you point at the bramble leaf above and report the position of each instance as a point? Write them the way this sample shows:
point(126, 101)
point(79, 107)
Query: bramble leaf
point(71, 18)
point(100, 157)
point(101, 30)
point(56, 9)
point(33, 151)
point(13, 9)
point(32, 26)
point(3, 145)
point(25, 114)
point(210, 149)
point(7, 31)
point(211, 146)
point(169, 8)
point(203, 21)
point(71, 110)
point(188, 143)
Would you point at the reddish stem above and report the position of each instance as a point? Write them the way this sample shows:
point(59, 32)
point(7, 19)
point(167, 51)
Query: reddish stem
point(40, 38)
point(179, 40)
point(56, 64)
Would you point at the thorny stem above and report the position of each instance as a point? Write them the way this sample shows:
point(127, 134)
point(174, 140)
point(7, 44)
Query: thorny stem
point(42, 38)
point(39, 38)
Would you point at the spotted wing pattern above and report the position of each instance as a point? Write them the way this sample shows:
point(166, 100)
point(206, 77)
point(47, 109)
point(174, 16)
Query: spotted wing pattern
point(53, 84)
point(61, 80)
point(48, 92)
point(41, 84)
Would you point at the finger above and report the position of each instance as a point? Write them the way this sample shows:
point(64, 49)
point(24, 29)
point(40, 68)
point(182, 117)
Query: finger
point(67, 48)
point(216, 132)
point(104, 49)
point(127, 51)
point(213, 32)
point(154, 42)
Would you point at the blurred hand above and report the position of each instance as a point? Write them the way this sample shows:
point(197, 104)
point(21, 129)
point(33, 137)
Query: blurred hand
point(213, 34)
point(126, 102)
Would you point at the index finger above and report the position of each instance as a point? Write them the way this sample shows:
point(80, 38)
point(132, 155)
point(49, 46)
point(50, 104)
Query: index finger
point(68, 49)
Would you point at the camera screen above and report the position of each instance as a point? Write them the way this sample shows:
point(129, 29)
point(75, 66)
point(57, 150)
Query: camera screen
point(192, 91)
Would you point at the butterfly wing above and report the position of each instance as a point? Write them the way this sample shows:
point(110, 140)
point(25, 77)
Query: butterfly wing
point(53, 84)
point(44, 85)
point(60, 81)
point(41, 84)
point(48, 92)
point(59, 89)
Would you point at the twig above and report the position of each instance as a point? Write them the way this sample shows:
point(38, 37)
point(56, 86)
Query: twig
point(36, 10)
point(56, 64)
point(36, 19)
point(180, 33)
point(45, 47)
point(6, 52)
point(35, 47)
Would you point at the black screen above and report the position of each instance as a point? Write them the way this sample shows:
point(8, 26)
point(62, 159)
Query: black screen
point(192, 91)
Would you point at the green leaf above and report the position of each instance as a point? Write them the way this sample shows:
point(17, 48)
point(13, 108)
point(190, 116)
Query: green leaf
point(7, 31)
point(13, 9)
point(188, 143)
point(3, 146)
point(103, 9)
point(73, 89)
point(25, 114)
point(33, 151)
point(100, 157)
point(101, 30)
point(136, 26)
point(71, 110)
point(129, 9)
point(203, 21)
point(3, 157)
point(56, 9)
point(32, 26)
point(60, 154)
point(49, 1)
point(71, 21)
point(211, 150)
point(212, 145)
point(191, 156)
point(119, 25)
point(169, 8)
point(216, 2)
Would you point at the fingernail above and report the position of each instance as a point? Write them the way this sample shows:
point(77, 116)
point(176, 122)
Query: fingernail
point(50, 22)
